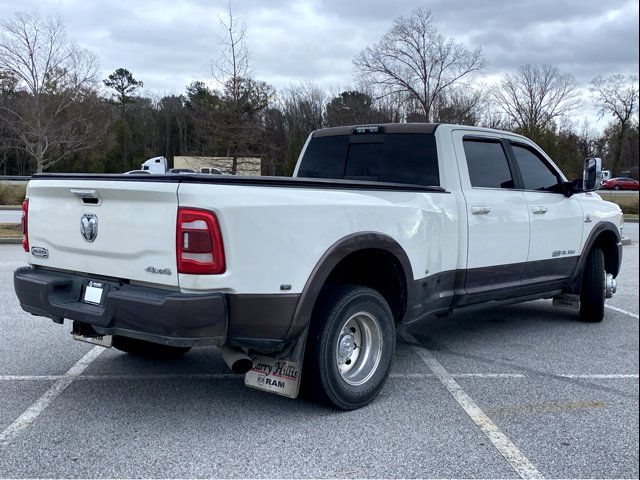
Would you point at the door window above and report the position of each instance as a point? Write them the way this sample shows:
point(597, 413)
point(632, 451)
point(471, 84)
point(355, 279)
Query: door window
point(487, 163)
point(536, 173)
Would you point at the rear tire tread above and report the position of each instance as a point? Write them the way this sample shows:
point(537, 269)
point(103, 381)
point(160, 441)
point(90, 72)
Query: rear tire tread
point(592, 291)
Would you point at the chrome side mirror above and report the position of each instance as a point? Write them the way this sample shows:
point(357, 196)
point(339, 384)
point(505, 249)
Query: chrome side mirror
point(592, 174)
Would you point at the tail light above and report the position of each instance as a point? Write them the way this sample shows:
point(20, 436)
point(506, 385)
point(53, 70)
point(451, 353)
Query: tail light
point(199, 247)
point(25, 225)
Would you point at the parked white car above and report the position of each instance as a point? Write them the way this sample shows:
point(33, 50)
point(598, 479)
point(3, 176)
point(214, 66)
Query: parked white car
point(308, 278)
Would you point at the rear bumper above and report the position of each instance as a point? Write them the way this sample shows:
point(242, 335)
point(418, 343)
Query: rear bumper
point(155, 315)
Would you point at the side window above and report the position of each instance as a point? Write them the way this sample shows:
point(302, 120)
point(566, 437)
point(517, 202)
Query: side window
point(487, 163)
point(536, 174)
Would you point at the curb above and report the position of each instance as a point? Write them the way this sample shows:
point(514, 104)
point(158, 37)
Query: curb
point(10, 241)
point(10, 207)
point(626, 241)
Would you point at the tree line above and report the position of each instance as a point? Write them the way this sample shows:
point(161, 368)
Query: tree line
point(56, 114)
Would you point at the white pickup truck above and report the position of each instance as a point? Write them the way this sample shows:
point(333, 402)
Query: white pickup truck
point(303, 281)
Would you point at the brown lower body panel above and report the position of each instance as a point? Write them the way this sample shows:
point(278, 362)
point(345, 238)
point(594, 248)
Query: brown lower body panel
point(260, 321)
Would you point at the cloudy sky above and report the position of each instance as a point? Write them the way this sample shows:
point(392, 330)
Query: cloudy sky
point(168, 44)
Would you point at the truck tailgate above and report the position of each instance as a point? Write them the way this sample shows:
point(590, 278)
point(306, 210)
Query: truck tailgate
point(136, 224)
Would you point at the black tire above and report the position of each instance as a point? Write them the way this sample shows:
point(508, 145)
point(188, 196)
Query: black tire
point(592, 292)
point(141, 348)
point(322, 380)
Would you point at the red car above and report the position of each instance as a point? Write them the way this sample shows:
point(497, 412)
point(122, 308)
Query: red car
point(620, 183)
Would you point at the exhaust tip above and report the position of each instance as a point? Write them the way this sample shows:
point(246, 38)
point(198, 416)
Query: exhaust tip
point(242, 366)
point(238, 361)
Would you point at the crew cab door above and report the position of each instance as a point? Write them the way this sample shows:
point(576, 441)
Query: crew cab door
point(497, 216)
point(556, 222)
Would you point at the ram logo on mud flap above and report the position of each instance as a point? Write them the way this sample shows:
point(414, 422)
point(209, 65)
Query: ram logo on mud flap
point(273, 383)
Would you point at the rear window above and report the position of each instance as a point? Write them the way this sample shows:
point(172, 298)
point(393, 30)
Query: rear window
point(409, 158)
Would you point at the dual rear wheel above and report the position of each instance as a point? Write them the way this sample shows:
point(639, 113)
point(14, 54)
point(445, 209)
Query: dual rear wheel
point(350, 347)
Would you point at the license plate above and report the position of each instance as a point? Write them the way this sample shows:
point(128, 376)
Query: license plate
point(93, 293)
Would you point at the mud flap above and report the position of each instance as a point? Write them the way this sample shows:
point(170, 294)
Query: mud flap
point(85, 333)
point(280, 374)
point(568, 301)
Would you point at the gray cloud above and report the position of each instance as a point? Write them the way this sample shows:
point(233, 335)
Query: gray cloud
point(167, 44)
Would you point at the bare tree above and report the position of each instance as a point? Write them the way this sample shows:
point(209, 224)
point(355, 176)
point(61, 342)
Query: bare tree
point(233, 64)
point(492, 116)
point(618, 96)
point(536, 96)
point(57, 112)
point(415, 59)
point(350, 107)
point(244, 99)
point(460, 105)
point(303, 106)
point(586, 140)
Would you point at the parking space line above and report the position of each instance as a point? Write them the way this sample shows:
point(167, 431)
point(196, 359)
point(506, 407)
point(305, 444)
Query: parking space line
point(13, 378)
point(598, 375)
point(459, 375)
point(521, 464)
point(32, 413)
point(218, 376)
point(161, 376)
point(622, 310)
point(214, 376)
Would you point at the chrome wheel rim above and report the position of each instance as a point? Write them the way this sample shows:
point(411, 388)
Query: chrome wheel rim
point(359, 348)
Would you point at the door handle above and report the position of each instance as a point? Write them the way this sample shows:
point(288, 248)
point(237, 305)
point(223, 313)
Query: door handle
point(480, 210)
point(539, 210)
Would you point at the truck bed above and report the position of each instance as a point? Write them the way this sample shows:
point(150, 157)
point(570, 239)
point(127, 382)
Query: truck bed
point(262, 181)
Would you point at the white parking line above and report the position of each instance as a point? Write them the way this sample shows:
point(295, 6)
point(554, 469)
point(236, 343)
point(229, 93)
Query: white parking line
point(13, 378)
point(622, 310)
point(152, 376)
point(521, 464)
point(459, 375)
point(598, 375)
point(218, 376)
point(31, 413)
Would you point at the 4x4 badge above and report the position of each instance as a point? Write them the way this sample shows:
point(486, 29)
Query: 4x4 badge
point(89, 227)
point(40, 252)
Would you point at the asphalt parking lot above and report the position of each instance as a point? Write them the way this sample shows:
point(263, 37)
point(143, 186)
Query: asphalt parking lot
point(519, 391)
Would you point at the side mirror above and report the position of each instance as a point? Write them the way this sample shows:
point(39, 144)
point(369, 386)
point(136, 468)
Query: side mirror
point(592, 174)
